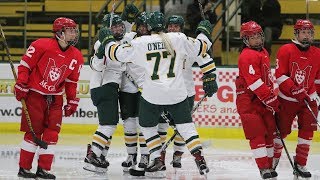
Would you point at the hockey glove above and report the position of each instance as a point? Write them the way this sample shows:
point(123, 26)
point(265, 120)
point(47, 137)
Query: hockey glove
point(71, 106)
point(20, 91)
point(210, 85)
point(105, 36)
point(272, 103)
point(205, 27)
point(300, 94)
point(130, 13)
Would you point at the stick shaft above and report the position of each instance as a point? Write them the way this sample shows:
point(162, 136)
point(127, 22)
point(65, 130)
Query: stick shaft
point(23, 102)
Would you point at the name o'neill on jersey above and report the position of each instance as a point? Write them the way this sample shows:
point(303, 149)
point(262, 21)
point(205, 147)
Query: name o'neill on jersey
point(156, 46)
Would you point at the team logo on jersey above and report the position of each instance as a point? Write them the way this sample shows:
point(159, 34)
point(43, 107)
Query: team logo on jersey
point(301, 76)
point(52, 75)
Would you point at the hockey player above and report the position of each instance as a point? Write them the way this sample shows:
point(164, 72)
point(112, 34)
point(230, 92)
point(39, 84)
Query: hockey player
point(50, 67)
point(129, 97)
point(175, 23)
point(104, 85)
point(297, 67)
point(163, 88)
point(256, 101)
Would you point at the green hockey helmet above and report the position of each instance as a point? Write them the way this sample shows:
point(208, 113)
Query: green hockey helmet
point(175, 19)
point(142, 19)
point(156, 21)
point(116, 19)
point(117, 26)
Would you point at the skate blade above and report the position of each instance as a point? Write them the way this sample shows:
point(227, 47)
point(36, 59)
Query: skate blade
point(157, 174)
point(127, 169)
point(295, 177)
point(205, 175)
point(92, 168)
point(137, 172)
point(23, 178)
point(273, 178)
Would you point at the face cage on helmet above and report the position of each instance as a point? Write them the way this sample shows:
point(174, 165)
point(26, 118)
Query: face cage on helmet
point(180, 25)
point(305, 43)
point(60, 35)
point(119, 36)
point(245, 40)
point(139, 33)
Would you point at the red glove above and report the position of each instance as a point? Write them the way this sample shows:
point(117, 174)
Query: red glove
point(20, 91)
point(71, 106)
point(300, 94)
point(272, 103)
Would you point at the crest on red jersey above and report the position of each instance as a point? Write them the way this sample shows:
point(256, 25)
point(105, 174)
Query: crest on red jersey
point(300, 76)
point(53, 74)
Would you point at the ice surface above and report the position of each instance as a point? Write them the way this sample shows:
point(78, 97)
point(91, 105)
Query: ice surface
point(224, 163)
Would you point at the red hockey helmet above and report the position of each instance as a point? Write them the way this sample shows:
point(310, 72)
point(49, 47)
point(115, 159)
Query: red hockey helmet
point(304, 40)
point(303, 24)
point(62, 22)
point(250, 28)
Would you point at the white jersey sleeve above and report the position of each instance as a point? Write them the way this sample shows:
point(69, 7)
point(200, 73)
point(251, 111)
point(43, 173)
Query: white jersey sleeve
point(203, 37)
point(206, 64)
point(97, 64)
point(106, 70)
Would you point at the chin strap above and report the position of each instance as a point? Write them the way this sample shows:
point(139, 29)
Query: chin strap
point(300, 44)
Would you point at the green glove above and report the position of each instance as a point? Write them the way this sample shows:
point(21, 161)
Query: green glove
point(105, 36)
point(210, 85)
point(205, 27)
point(130, 13)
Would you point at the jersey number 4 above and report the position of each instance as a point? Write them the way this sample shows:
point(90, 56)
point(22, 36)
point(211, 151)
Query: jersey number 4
point(161, 56)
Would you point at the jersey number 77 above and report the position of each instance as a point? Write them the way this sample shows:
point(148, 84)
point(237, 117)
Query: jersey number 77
point(161, 56)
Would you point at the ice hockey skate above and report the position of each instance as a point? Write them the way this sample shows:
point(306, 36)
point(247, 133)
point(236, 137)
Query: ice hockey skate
point(202, 166)
point(144, 161)
point(156, 169)
point(94, 163)
point(130, 162)
point(268, 174)
point(301, 172)
point(176, 159)
point(43, 174)
point(26, 174)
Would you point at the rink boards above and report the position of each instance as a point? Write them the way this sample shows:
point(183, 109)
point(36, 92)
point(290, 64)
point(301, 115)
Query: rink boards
point(218, 112)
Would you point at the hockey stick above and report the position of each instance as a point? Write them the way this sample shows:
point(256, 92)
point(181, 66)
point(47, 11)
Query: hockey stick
point(314, 116)
point(134, 172)
point(201, 10)
point(38, 141)
point(165, 117)
point(284, 145)
point(110, 24)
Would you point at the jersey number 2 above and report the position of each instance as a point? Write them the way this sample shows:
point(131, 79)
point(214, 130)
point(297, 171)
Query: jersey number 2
point(161, 56)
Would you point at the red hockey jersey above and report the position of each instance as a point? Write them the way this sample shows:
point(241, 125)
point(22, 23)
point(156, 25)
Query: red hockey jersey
point(254, 68)
point(296, 68)
point(46, 69)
